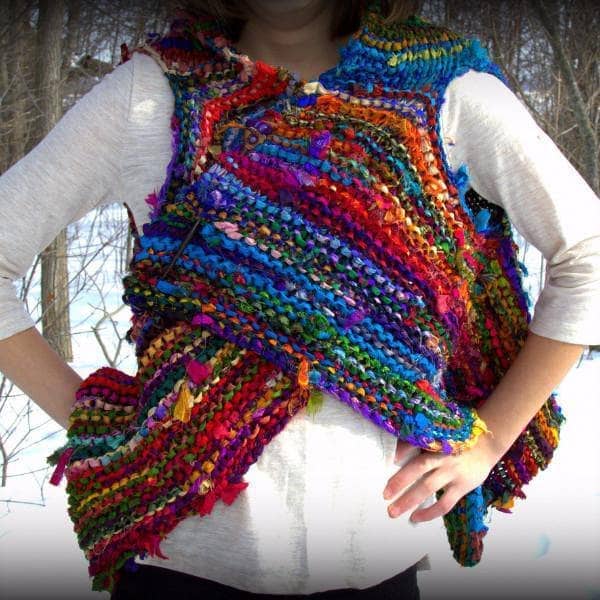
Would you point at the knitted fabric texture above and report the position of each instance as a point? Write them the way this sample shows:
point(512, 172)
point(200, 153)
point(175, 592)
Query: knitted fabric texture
point(309, 237)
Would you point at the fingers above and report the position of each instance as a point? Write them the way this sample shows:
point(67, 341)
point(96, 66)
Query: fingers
point(410, 472)
point(418, 493)
point(443, 506)
point(428, 472)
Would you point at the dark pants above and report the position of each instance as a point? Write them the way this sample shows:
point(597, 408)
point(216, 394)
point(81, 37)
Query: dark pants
point(153, 583)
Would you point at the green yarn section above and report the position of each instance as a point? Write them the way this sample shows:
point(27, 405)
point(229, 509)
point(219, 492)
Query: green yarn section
point(315, 402)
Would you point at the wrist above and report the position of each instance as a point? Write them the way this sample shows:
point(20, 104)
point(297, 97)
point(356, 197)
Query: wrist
point(501, 433)
point(492, 449)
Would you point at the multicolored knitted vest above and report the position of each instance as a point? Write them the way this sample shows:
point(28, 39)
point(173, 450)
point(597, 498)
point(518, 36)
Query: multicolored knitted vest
point(309, 238)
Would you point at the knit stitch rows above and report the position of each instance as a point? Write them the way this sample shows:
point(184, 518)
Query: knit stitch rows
point(308, 238)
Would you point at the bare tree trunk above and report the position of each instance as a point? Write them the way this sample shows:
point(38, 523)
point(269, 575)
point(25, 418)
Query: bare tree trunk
point(55, 289)
point(18, 85)
point(4, 92)
point(70, 43)
point(582, 118)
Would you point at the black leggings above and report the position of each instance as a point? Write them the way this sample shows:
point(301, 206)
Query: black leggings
point(154, 583)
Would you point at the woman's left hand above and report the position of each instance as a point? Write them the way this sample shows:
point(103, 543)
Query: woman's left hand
point(457, 474)
point(539, 367)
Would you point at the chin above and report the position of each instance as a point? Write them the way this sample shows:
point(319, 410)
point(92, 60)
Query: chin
point(281, 6)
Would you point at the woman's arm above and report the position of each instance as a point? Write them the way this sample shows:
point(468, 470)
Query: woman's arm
point(540, 366)
point(74, 169)
point(514, 164)
point(33, 365)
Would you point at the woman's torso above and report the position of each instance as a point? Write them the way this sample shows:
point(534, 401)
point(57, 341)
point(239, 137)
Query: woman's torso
point(313, 516)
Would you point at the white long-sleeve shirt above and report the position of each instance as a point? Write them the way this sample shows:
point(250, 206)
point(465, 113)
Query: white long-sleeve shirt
point(313, 516)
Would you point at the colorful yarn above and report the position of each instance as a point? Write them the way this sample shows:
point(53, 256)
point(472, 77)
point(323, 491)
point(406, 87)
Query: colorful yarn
point(309, 238)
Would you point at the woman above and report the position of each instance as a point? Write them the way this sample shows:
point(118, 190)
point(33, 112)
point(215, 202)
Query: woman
point(311, 520)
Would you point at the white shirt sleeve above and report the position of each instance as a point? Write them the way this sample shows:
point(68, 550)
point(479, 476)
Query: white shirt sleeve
point(514, 164)
point(75, 168)
point(113, 145)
